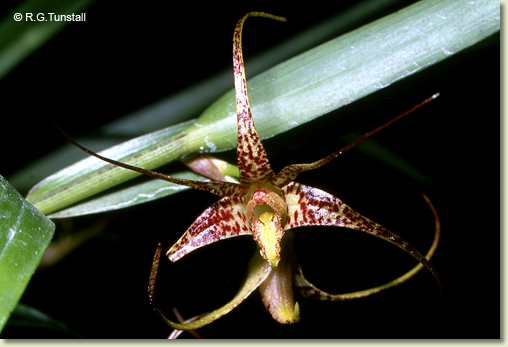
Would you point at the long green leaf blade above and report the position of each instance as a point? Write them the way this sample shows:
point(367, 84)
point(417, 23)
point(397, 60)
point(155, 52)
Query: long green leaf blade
point(186, 104)
point(138, 194)
point(50, 189)
point(308, 86)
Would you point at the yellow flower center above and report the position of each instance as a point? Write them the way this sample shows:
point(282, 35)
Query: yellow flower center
point(266, 212)
point(269, 238)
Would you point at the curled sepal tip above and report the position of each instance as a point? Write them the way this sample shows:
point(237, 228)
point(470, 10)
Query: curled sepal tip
point(253, 162)
point(259, 269)
point(308, 290)
point(310, 206)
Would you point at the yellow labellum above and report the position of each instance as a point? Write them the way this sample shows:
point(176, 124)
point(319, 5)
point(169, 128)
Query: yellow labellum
point(268, 237)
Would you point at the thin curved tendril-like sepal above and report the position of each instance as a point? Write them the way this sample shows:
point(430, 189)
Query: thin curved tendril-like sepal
point(258, 271)
point(215, 187)
point(308, 290)
point(308, 206)
point(252, 159)
point(290, 172)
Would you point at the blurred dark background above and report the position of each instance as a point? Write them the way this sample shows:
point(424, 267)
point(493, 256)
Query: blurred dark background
point(125, 57)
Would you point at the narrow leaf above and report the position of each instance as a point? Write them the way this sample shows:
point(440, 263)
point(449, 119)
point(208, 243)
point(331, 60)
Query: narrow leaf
point(310, 85)
point(187, 103)
point(48, 196)
point(137, 194)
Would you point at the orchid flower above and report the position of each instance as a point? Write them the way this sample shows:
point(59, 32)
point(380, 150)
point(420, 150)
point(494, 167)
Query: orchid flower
point(267, 206)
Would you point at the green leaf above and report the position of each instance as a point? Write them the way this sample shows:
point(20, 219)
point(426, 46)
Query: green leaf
point(25, 233)
point(137, 194)
point(140, 193)
point(47, 189)
point(301, 89)
point(188, 102)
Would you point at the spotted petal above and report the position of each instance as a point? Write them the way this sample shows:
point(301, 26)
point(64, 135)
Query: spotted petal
point(225, 218)
point(308, 290)
point(311, 206)
point(252, 159)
